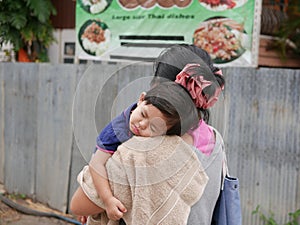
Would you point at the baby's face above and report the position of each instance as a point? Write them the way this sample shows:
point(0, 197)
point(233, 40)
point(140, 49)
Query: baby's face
point(147, 121)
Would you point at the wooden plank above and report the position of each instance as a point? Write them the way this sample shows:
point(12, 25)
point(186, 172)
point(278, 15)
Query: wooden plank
point(277, 62)
point(54, 137)
point(20, 126)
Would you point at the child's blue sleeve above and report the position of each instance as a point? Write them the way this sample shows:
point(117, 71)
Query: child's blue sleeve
point(107, 140)
point(116, 132)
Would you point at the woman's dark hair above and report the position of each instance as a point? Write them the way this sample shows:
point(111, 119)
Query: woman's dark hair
point(176, 105)
point(173, 59)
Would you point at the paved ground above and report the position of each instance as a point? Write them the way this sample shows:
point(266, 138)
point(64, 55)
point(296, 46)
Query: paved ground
point(9, 216)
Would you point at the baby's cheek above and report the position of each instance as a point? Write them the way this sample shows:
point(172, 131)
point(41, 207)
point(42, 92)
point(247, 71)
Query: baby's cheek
point(161, 126)
point(161, 131)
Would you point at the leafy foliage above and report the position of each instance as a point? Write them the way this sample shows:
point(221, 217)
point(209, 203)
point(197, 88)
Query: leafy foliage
point(269, 220)
point(289, 32)
point(23, 22)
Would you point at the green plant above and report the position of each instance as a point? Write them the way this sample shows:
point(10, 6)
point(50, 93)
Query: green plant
point(269, 220)
point(17, 196)
point(289, 31)
point(25, 22)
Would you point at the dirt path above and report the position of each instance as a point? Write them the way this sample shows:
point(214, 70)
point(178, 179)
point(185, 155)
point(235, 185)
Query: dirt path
point(10, 216)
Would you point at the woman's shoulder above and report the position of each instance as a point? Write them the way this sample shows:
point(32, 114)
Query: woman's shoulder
point(219, 142)
point(203, 137)
point(215, 158)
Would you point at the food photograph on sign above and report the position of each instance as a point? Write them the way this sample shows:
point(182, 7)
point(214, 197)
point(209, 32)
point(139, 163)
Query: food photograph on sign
point(94, 6)
point(94, 37)
point(223, 38)
point(139, 30)
point(148, 4)
point(220, 5)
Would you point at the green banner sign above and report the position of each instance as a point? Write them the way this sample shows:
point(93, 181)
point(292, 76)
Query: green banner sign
point(140, 29)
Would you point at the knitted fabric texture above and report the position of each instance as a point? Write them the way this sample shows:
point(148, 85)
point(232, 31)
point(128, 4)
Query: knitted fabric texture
point(157, 179)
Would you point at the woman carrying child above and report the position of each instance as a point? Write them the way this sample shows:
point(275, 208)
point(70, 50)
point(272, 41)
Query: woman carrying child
point(204, 138)
point(165, 109)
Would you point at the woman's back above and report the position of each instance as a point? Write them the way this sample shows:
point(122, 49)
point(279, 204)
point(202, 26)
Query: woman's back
point(201, 212)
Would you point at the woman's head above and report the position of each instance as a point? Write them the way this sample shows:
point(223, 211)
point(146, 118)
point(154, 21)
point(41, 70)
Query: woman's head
point(165, 109)
point(201, 85)
point(174, 59)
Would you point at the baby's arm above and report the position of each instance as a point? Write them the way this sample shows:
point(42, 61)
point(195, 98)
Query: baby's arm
point(114, 208)
point(81, 205)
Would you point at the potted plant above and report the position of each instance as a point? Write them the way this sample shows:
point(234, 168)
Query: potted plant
point(288, 34)
point(27, 26)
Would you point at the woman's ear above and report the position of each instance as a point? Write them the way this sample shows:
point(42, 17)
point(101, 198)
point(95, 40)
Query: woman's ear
point(142, 97)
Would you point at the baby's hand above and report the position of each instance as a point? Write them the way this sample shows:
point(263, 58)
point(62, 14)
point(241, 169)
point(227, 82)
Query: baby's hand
point(82, 219)
point(114, 209)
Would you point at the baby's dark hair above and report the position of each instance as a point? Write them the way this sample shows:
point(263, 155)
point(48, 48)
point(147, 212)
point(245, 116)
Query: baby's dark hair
point(176, 105)
point(173, 59)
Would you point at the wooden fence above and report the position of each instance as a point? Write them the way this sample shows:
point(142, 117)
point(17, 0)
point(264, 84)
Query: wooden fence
point(50, 116)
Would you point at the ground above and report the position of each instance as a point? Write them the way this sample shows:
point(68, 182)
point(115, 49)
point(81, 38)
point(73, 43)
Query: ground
point(10, 216)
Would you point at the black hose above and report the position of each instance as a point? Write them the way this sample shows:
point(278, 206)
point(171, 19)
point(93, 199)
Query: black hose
point(33, 212)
